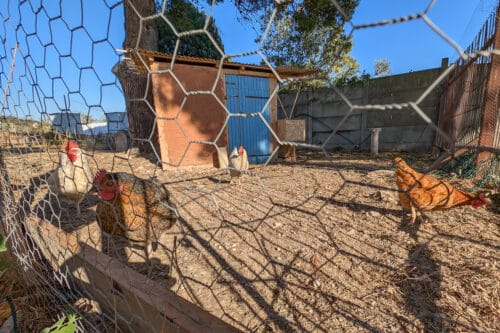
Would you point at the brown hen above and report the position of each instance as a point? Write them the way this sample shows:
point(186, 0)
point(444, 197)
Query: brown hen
point(134, 208)
point(425, 193)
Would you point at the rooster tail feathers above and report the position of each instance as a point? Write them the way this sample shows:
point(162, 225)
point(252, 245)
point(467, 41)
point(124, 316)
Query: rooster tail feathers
point(234, 153)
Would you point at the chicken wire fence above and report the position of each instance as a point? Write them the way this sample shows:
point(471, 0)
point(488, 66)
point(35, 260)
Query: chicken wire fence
point(311, 245)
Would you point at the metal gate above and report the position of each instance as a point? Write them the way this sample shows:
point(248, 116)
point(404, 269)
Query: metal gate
point(248, 95)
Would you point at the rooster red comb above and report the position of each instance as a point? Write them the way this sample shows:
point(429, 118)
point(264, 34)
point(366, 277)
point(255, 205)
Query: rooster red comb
point(99, 176)
point(70, 145)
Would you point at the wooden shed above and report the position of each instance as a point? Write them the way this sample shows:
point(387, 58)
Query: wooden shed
point(191, 98)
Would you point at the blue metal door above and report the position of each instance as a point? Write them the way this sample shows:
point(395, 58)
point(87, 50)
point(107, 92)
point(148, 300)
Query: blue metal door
point(248, 95)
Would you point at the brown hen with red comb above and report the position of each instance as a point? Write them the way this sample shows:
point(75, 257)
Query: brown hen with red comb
point(138, 209)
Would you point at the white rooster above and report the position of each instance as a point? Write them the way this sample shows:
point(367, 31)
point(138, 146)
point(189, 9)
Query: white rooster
point(238, 161)
point(72, 179)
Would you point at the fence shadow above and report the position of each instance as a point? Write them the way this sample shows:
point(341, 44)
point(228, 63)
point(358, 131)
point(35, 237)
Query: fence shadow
point(421, 287)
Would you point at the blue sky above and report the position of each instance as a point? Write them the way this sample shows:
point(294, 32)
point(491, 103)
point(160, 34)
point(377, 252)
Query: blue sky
point(66, 52)
point(408, 46)
point(413, 45)
point(69, 46)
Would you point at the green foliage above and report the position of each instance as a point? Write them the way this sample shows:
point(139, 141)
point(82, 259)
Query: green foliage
point(465, 166)
point(66, 324)
point(363, 78)
point(306, 34)
point(3, 243)
point(382, 68)
point(184, 17)
point(4, 264)
point(13, 123)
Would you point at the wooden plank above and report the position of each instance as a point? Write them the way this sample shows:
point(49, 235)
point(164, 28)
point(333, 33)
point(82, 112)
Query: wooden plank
point(446, 157)
point(222, 157)
point(291, 129)
point(138, 303)
point(248, 73)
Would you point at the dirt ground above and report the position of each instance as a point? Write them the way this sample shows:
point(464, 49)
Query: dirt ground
point(313, 246)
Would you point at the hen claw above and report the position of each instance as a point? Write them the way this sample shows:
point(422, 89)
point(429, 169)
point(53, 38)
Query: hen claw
point(410, 219)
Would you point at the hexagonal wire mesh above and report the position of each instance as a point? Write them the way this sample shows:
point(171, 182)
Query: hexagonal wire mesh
point(163, 240)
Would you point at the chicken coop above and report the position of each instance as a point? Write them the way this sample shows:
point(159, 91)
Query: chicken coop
point(191, 98)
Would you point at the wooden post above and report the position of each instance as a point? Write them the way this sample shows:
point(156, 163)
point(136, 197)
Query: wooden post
point(444, 64)
point(374, 141)
point(490, 113)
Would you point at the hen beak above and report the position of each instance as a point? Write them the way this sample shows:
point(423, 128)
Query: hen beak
point(94, 189)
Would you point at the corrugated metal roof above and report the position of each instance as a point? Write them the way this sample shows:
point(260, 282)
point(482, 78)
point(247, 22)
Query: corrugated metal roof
point(143, 58)
point(291, 71)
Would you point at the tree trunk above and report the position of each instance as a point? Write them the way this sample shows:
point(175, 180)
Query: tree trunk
point(141, 36)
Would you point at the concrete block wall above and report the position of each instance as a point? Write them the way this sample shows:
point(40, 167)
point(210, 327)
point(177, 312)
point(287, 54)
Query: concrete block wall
point(402, 129)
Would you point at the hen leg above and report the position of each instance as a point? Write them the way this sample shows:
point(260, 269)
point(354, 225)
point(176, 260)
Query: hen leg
point(148, 264)
point(412, 217)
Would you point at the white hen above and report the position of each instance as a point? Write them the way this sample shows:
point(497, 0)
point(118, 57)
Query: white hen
point(72, 179)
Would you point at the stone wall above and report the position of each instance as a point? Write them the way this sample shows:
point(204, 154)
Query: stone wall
point(402, 128)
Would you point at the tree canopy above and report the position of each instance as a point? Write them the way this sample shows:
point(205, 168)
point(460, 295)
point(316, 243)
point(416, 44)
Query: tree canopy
point(382, 68)
point(185, 16)
point(306, 34)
